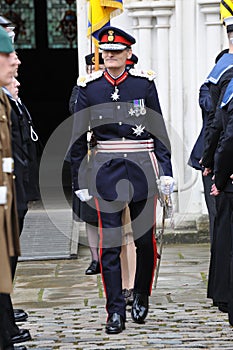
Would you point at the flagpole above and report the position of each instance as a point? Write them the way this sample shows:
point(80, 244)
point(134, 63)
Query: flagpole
point(96, 58)
point(82, 42)
point(91, 33)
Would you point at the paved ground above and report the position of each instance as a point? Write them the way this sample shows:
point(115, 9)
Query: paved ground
point(67, 309)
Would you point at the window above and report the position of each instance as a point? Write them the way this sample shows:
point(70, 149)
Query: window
point(22, 14)
point(62, 24)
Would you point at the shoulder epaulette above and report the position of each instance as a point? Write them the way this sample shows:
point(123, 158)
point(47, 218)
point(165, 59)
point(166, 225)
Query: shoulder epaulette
point(149, 74)
point(84, 80)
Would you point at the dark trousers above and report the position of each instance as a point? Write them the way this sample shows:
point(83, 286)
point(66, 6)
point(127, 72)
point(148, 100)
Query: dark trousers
point(8, 327)
point(210, 202)
point(142, 220)
point(219, 270)
point(5, 338)
point(230, 302)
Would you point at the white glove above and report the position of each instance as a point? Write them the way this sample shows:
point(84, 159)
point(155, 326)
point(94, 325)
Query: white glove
point(166, 184)
point(83, 195)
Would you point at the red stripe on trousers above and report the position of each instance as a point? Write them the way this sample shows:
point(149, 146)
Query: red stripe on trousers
point(154, 244)
point(100, 241)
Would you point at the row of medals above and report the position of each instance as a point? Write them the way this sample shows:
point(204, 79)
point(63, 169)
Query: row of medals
point(138, 105)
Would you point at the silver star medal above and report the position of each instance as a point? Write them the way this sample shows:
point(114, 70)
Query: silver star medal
point(131, 111)
point(137, 112)
point(138, 130)
point(115, 96)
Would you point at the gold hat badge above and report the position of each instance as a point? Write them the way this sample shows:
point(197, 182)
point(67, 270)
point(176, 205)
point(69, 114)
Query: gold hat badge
point(111, 36)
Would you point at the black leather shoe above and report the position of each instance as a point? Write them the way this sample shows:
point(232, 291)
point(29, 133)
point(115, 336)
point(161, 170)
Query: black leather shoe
point(139, 308)
point(20, 315)
point(128, 296)
point(94, 268)
point(115, 324)
point(22, 336)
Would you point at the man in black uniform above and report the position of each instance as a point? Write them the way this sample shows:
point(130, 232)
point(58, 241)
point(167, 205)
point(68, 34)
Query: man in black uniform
point(25, 145)
point(26, 172)
point(217, 82)
point(223, 177)
point(122, 108)
point(205, 103)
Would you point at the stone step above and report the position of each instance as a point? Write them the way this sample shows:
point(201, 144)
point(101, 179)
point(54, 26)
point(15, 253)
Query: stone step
point(52, 234)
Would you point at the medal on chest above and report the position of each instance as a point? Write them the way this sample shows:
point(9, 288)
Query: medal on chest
point(138, 130)
point(115, 95)
point(138, 108)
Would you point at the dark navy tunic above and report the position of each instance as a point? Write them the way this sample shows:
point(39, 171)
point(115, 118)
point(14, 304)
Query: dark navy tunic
point(114, 120)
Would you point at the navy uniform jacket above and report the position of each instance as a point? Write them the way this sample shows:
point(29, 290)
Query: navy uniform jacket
point(224, 154)
point(217, 82)
point(73, 98)
point(205, 103)
point(113, 121)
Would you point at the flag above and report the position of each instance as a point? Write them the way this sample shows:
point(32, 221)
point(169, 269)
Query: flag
point(226, 9)
point(100, 13)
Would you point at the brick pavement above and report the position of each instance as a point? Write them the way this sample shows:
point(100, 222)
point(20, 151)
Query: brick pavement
point(67, 308)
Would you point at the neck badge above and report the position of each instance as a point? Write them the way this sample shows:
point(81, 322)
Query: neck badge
point(115, 95)
point(115, 82)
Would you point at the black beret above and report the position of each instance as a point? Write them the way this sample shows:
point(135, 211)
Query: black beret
point(90, 59)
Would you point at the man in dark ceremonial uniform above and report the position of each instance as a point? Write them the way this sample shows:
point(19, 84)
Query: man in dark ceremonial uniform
point(223, 175)
point(217, 81)
point(122, 109)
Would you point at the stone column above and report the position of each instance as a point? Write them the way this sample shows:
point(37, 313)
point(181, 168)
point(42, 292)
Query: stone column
point(153, 41)
point(214, 37)
point(162, 11)
point(141, 13)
